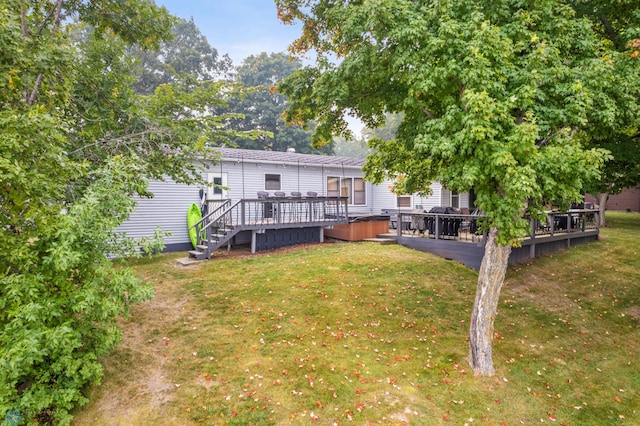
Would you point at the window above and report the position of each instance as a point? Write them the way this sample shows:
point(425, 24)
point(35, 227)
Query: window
point(404, 201)
point(218, 190)
point(333, 187)
point(271, 182)
point(359, 194)
point(353, 188)
point(455, 200)
point(345, 189)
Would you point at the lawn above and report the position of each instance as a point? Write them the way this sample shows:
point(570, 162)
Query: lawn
point(359, 333)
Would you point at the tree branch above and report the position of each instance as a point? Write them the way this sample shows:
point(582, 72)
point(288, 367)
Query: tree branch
point(54, 10)
point(428, 113)
point(36, 88)
point(57, 12)
point(118, 139)
point(608, 28)
point(463, 88)
point(548, 138)
point(23, 22)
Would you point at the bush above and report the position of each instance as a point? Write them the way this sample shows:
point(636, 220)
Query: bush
point(60, 297)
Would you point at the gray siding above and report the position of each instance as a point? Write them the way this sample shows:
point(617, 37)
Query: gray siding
point(385, 199)
point(167, 210)
point(245, 177)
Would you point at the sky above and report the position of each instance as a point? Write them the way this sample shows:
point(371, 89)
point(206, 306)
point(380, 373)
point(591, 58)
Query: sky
point(239, 28)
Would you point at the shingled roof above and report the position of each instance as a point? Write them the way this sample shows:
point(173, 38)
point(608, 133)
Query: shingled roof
point(288, 157)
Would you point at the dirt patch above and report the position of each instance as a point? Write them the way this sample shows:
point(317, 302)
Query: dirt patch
point(137, 396)
point(634, 312)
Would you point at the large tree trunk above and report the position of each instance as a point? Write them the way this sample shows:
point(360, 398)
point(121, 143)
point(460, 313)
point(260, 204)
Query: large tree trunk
point(603, 197)
point(490, 279)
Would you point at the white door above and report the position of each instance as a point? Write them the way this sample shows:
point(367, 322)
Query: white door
point(218, 190)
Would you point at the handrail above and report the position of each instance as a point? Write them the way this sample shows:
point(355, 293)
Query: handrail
point(224, 203)
point(572, 221)
point(227, 210)
point(261, 211)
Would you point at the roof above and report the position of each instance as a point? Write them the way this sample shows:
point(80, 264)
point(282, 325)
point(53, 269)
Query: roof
point(288, 157)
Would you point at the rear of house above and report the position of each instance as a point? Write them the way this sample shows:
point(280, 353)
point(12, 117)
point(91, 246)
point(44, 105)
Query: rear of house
point(241, 174)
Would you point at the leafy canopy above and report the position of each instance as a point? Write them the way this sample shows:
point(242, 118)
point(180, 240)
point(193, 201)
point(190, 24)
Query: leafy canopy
point(494, 94)
point(76, 143)
point(263, 106)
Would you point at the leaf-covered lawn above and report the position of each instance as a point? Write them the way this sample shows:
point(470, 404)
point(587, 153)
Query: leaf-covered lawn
point(368, 334)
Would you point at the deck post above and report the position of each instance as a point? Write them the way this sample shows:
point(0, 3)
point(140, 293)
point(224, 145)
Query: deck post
point(399, 224)
point(253, 241)
point(532, 247)
point(437, 227)
point(346, 208)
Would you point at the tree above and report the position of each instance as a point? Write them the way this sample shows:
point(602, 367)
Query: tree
point(75, 144)
point(385, 132)
point(187, 53)
point(612, 128)
point(357, 147)
point(494, 94)
point(620, 172)
point(262, 108)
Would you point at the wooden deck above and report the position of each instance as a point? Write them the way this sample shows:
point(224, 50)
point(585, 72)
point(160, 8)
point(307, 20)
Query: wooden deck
point(268, 223)
point(455, 237)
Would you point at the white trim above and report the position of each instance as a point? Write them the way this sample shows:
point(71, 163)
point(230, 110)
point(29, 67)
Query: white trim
point(264, 181)
point(352, 195)
point(210, 190)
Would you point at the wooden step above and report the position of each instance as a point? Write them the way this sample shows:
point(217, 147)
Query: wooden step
point(197, 254)
point(202, 247)
point(381, 241)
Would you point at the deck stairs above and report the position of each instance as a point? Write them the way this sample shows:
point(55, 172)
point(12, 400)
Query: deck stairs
point(226, 219)
point(215, 230)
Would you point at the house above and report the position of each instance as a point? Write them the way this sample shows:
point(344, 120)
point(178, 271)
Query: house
point(627, 200)
point(241, 174)
point(309, 195)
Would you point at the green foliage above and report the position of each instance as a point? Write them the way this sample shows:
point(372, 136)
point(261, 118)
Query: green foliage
point(356, 147)
point(263, 106)
point(496, 97)
point(188, 53)
point(169, 131)
point(615, 122)
point(76, 144)
point(387, 131)
point(495, 94)
point(60, 297)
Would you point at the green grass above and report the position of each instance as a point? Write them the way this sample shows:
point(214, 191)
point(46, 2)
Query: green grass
point(368, 334)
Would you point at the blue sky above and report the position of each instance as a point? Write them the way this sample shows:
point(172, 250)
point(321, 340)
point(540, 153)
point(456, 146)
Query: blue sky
point(237, 27)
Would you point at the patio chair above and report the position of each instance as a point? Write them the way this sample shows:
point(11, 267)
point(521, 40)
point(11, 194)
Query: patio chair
point(266, 209)
point(312, 207)
point(281, 207)
point(298, 207)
